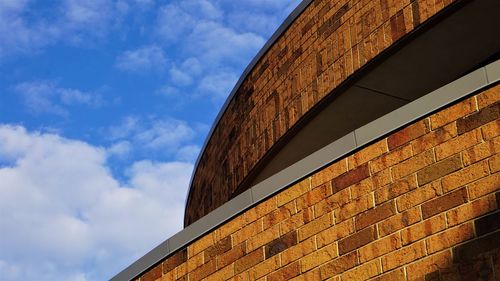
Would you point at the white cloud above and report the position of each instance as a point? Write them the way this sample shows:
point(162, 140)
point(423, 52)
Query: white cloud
point(143, 59)
point(217, 85)
point(120, 149)
point(42, 96)
point(61, 205)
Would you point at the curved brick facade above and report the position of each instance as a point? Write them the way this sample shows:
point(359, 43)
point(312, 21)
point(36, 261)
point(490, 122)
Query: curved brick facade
point(325, 44)
point(419, 204)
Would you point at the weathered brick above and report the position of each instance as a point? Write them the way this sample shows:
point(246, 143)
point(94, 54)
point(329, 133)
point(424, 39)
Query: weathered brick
point(350, 178)
point(263, 238)
point(276, 216)
point(194, 261)
point(471, 210)
point(221, 274)
point(485, 115)
point(484, 186)
point(203, 271)
point(465, 176)
point(338, 265)
point(248, 260)
point(491, 130)
point(487, 224)
point(335, 233)
point(218, 248)
point(260, 210)
point(353, 208)
point(439, 169)
point(403, 256)
point(429, 264)
point(248, 231)
point(264, 268)
point(367, 154)
point(363, 272)
point(297, 220)
point(175, 260)
point(450, 237)
point(375, 215)
point(379, 247)
point(232, 255)
point(296, 252)
point(419, 195)
point(153, 274)
point(494, 163)
point(488, 97)
point(314, 196)
point(453, 113)
point(331, 203)
point(458, 144)
point(370, 184)
point(396, 189)
point(444, 203)
point(293, 192)
point(413, 164)
point(280, 244)
point(285, 273)
point(408, 133)
point(434, 138)
point(319, 257)
point(481, 151)
point(230, 227)
point(395, 275)
point(399, 221)
point(328, 173)
point(423, 229)
point(357, 240)
point(391, 158)
point(201, 244)
point(315, 226)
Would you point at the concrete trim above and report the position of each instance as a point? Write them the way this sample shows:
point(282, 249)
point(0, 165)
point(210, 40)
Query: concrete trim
point(460, 88)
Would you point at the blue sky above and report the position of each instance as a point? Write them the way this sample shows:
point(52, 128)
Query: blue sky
point(104, 106)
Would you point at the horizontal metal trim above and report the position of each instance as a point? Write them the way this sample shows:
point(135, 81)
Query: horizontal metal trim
point(357, 139)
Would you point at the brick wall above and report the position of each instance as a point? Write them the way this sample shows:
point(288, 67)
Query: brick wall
point(420, 204)
point(326, 44)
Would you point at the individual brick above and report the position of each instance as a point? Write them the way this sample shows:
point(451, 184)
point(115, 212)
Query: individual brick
point(357, 240)
point(396, 189)
point(249, 230)
point(434, 138)
point(491, 130)
point(280, 244)
point(331, 203)
point(328, 173)
point(203, 271)
point(367, 154)
point(392, 158)
point(399, 221)
point(335, 233)
point(484, 186)
point(375, 215)
point(470, 250)
point(314, 196)
point(298, 251)
point(264, 268)
point(218, 248)
point(248, 260)
point(201, 244)
point(318, 257)
point(419, 195)
point(260, 210)
point(370, 184)
point(231, 256)
point(311, 275)
point(494, 162)
point(444, 203)
point(481, 151)
point(450, 237)
point(293, 192)
point(485, 115)
point(403, 256)
point(429, 264)
point(458, 144)
point(175, 260)
point(285, 273)
point(297, 220)
point(423, 229)
point(315, 226)
point(230, 227)
point(350, 178)
point(282, 213)
point(487, 224)
point(379, 247)
point(338, 265)
point(353, 208)
point(363, 272)
point(194, 261)
point(488, 97)
point(221, 274)
point(263, 238)
point(472, 210)
point(408, 133)
point(413, 164)
point(439, 169)
point(465, 176)
point(453, 113)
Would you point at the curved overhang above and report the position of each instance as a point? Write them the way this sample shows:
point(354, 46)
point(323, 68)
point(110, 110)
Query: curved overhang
point(436, 52)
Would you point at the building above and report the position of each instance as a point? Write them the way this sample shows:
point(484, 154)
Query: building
point(361, 143)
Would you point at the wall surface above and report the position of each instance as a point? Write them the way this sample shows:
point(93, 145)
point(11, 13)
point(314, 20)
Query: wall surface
point(419, 204)
point(323, 46)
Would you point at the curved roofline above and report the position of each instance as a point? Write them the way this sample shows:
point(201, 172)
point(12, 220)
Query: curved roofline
point(277, 34)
